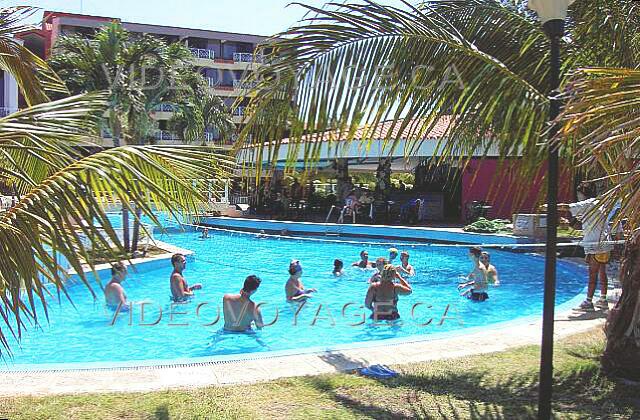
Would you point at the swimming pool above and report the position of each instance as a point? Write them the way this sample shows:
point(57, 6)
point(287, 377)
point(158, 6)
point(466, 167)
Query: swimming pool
point(161, 333)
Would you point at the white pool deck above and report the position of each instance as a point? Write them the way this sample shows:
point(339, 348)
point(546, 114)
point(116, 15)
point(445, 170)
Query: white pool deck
point(145, 379)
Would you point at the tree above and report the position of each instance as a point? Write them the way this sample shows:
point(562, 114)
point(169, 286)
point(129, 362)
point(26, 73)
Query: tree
point(42, 155)
point(140, 72)
point(481, 63)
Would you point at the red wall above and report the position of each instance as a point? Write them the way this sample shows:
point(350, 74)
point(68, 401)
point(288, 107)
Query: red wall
point(504, 191)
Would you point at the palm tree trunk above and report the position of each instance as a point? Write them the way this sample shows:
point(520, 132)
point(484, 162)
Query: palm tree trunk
point(136, 230)
point(621, 357)
point(125, 229)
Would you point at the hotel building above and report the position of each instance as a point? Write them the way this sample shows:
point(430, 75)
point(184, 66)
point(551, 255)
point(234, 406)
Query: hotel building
point(223, 58)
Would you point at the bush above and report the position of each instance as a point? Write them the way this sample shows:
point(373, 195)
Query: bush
point(483, 225)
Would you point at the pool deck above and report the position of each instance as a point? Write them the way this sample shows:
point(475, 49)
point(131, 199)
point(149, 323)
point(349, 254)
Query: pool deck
point(260, 369)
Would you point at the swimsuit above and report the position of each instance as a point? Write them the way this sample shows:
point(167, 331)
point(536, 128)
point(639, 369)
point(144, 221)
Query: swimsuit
point(387, 316)
point(478, 296)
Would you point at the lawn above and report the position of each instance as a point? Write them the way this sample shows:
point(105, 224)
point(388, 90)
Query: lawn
point(499, 385)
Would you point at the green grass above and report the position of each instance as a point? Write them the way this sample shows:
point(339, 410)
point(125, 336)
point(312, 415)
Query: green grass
point(499, 385)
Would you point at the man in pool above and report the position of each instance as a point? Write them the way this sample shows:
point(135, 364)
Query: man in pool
point(114, 295)
point(239, 310)
point(338, 266)
point(477, 278)
point(405, 268)
point(205, 233)
point(492, 273)
point(180, 290)
point(364, 260)
point(379, 265)
point(294, 288)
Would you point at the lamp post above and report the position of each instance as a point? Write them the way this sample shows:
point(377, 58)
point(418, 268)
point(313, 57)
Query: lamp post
point(552, 14)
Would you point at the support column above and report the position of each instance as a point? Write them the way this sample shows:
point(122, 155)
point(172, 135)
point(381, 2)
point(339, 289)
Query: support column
point(344, 180)
point(383, 179)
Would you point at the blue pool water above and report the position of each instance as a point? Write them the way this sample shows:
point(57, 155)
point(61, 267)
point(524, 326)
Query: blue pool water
point(161, 332)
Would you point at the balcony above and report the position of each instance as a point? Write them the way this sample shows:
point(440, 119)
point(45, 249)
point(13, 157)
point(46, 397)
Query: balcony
point(244, 84)
point(248, 58)
point(4, 112)
point(165, 108)
point(203, 53)
point(167, 136)
point(239, 111)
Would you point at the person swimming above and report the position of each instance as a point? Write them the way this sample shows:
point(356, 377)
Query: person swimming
point(404, 267)
point(364, 260)
point(180, 290)
point(492, 273)
point(338, 266)
point(294, 288)
point(382, 296)
point(205, 233)
point(477, 278)
point(240, 312)
point(114, 294)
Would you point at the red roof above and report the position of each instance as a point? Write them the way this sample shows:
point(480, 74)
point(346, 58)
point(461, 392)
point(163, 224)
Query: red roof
point(387, 129)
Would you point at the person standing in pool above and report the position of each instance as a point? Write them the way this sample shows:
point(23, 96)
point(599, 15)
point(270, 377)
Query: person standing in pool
point(382, 296)
point(477, 278)
point(180, 290)
point(379, 265)
point(492, 273)
point(338, 266)
point(404, 267)
point(239, 310)
point(294, 288)
point(364, 260)
point(114, 294)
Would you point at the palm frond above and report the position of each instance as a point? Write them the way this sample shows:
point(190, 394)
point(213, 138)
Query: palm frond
point(44, 226)
point(357, 65)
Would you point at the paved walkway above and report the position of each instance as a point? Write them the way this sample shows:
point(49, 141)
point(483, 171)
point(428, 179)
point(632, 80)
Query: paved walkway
point(264, 369)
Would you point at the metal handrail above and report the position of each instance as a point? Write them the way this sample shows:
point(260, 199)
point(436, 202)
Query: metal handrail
point(248, 58)
point(203, 53)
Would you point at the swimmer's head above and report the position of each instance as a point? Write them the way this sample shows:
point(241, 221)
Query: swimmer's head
point(364, 255)
point(284, 232)
point(404, 255)
point(475, 252)
point(485, 257)
point(388, 273)
point(179, 261)
point(251, 284)
point(118, 271)
point(381, 262)
point(295, 267)
point(393, 252)
point(338, 264)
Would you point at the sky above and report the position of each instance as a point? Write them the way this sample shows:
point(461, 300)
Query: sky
point(259, 17)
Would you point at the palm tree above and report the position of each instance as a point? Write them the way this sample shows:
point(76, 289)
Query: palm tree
point(481, 63)
point(140, 72)
point(602, 119)
point(42, 155)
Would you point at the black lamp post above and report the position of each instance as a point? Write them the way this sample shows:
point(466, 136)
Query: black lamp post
point(552, 14)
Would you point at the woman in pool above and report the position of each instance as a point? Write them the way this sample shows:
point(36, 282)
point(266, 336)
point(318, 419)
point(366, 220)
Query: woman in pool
point(380, 263)
point(382, 296)
point(114, 294)
point(294, 288)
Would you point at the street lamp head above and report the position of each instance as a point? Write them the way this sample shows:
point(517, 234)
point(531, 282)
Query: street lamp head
point(550, 9)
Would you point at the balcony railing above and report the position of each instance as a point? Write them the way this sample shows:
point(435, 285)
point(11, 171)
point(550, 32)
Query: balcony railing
point(248, 58)
point(165, 108)
point(211, 81)
point(239, 111)
point(6, 111)
point(162, 135)
point(203, 53)
point(244, 84)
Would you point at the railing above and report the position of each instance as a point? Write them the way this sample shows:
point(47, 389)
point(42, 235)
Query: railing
point(211, 136)
point(165, 108)
point(6, 202)
point(7, 111)
point(203, 53)
point(239, 111)
point(244, 84)
point(239, 199)
point(211, 81)
point(162, 135)
point(248, 58)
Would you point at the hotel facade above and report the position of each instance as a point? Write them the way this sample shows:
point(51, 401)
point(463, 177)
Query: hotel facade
point(223, 58)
